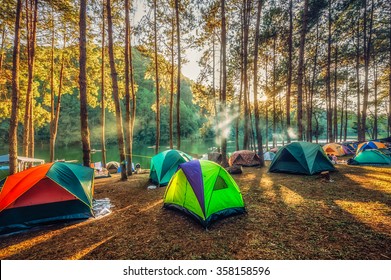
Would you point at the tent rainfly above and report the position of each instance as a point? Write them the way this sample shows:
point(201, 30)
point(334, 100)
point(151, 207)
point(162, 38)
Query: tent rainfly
point(44, 194)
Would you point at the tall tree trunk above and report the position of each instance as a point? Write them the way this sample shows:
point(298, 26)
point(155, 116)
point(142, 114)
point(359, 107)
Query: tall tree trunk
point(246, 7)
point(358, 80)
point(102, 82)
point(133, 92)
point(367, 52)
point(328, 81)
point(241, 83)
point(114, 79)
point(316, 128)
point(239, 108)
point(335, 118)
point(13, 132)
point(128, 129)
point(266, 105)
point(54, 123)
point(178, 94)
point(342, 116)
point(256, 107)
point(224, 82)
point(157, 79)
point(85, 133)
point(1, 60)
point(172, 83)
point(389, 78)
point(31, 26)
point(289, 81)
point(274, 92)
point(345, 133)
point(312, 91)
point(57, 113)
point(300, 73)
point(52, 109)
point(375, 122)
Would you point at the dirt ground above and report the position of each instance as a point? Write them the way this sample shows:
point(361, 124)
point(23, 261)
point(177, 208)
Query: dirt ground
point(288, 217)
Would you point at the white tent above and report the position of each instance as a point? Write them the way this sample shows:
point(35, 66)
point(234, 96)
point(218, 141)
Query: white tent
point(23, 162)
point(268, 156)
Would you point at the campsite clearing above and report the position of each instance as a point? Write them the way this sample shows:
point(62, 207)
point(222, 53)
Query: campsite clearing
point(288, 217)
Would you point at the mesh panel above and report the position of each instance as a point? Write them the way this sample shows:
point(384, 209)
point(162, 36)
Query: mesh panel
point(220, 184)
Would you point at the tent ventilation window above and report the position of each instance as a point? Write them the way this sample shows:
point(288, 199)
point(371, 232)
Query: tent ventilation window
point(220, 184)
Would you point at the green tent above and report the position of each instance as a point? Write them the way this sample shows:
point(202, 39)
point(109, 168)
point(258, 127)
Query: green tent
point(371, 157)
point(165, 164)
point(301, 158)
point(205, 191)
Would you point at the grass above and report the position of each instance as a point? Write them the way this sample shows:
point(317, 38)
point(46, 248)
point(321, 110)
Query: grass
point(288, 217)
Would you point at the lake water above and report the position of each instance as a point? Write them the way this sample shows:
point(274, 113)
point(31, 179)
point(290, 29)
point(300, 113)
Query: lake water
point(141, 153)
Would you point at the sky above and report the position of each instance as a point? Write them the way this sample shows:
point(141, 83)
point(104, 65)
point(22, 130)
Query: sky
point(190, 69)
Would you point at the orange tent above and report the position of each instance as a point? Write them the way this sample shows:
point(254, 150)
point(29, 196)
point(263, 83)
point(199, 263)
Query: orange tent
point(46, 193)
point(334, 149)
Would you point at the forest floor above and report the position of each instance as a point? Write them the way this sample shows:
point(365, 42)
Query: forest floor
point(288, 217)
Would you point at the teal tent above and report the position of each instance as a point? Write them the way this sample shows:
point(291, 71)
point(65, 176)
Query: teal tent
point(371, 157)
point(301, 158)
point(165, 164)
point(4, 172)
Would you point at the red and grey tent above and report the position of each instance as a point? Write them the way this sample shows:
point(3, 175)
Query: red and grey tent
point(46, 193)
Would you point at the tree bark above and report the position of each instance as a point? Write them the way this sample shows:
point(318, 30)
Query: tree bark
point(274, 93)
point(224, 81)
point(300, 73)
point(375, 122)
point(178, 94)
point(13, 132)
point(85, 133)
point(312, 91)
point(52, 109)
point(335, 118)
point(171, 129)
point(367, 53)
point(128, 150)
point(54, 123)
point(114, 78)
point(328, 81)
point(246, 7)
point(289, 81)
point(1, 59)
point(389, 78)
point(157, 80)
point(57, 114)
point(31, 26)
point(358, 80)
point(345, 133)
point(102, 82)
point(256, 107)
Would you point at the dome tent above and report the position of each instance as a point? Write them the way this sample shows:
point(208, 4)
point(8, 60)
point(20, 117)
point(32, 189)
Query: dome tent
point(46, 193)
point(301, 158)
point(244, 158)
point(205, 191)
point(370, 157)
point(165, 164)
point(334, 149)
point(370, 145)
